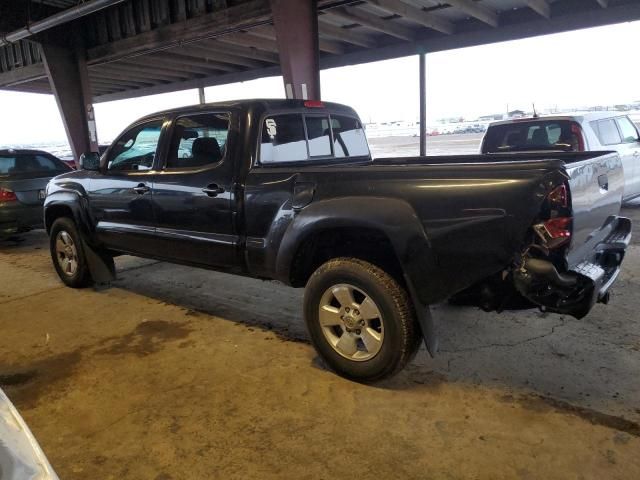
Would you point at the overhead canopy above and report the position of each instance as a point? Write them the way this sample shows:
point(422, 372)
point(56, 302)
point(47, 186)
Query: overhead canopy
point(141, 47)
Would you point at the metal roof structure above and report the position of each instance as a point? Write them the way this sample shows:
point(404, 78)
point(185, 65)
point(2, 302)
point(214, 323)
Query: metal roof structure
point(140, 47)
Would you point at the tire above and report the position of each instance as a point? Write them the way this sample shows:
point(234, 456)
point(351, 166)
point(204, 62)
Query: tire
point(76, 273)
point(386, 337)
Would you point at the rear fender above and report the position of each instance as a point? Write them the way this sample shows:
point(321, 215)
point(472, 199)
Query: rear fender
point(395, 218)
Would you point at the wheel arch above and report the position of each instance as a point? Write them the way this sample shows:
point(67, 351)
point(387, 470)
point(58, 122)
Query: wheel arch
point(389, 223)
point(65, 204)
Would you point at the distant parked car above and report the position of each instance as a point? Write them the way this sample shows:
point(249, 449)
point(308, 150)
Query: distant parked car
point(592, 131)
point(21, 458)
point(24, 175)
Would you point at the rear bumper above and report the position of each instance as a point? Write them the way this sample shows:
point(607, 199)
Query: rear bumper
point(20, 218)
point(576, 291)
point(604, 270)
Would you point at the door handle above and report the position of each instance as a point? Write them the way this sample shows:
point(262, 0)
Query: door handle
point(636, 153)
point(213, 190)
point(603, 181)
point(141, 189)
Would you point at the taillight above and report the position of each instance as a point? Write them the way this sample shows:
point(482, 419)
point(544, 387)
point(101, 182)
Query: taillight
point(558, 227)
point(577, 138)
point(555, 232)
point(558, 197)
point(7, 195)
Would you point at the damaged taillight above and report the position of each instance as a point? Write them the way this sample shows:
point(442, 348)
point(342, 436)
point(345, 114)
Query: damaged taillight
point(555, 232)
point(558, 197)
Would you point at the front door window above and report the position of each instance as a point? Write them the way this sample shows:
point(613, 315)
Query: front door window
point(136, 148)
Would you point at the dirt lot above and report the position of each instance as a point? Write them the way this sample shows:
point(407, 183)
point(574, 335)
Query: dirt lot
point(178, 373)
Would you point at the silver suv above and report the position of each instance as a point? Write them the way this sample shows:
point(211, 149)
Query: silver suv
point(571, 133)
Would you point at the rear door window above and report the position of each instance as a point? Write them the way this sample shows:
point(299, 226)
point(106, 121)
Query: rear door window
point(628, 130)
point(198, 140)
point(607, 131)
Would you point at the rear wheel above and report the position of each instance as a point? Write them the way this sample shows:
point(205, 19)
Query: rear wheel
point(68, 255)
point(360, 319)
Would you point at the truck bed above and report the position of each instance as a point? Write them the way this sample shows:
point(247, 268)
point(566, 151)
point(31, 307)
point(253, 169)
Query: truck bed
point(475, 217)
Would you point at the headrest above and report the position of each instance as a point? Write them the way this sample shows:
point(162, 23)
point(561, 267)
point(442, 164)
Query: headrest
point(540, 137)
point(206, 146)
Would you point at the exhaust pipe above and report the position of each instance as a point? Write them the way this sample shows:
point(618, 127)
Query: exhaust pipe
point(544, 269)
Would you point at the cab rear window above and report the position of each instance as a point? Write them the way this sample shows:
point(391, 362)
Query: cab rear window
point(535, 135)
point(296, 137)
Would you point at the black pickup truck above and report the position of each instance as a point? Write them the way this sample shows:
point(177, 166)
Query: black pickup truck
point(287, 190)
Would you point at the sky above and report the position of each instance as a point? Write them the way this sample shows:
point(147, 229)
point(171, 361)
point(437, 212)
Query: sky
point(586, 67)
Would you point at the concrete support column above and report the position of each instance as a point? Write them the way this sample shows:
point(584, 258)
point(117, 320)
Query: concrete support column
point(67, 71)
point(296, 25)
point(423, 105)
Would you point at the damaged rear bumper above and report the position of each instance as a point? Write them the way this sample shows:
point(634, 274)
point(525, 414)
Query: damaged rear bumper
point(576, 291)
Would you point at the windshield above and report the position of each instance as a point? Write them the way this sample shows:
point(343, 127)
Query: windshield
point(532, 135)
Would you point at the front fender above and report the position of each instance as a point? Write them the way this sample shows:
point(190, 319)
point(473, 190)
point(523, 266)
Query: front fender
point(72, 198)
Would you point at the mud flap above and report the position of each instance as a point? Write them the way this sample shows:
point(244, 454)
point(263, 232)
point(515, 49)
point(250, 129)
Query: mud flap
point(426, 321)
point(101, 266)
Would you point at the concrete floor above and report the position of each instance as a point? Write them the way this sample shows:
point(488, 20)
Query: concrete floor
point(179, 373)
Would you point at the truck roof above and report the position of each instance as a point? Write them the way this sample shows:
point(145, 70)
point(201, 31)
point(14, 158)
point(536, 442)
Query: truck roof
point(23, 151)
point(258, 103)
point(575, 116)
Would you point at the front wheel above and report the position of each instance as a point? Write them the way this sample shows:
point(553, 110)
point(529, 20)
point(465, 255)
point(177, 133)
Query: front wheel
point(68, 255)
point(360, 319)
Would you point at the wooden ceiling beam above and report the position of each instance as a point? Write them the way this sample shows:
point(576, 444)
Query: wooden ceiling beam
point(178, 66)
point(146, 71)
point(216, 54)
point(416, 15)
point(347, 35)
point(328, 46)
point(541, 7)
point(476, 10)
point(373, 22)
point(240, 51)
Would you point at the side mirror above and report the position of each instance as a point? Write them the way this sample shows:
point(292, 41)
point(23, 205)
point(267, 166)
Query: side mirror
point(90, 161)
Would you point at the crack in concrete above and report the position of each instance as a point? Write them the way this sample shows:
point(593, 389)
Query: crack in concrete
point(138, 267)
point(31, 295)
point(143, 406)
point(515, 344)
